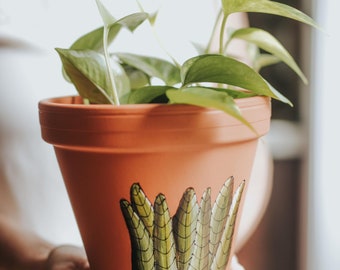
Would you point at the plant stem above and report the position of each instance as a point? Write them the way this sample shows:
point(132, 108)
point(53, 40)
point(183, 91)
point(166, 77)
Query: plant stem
point(226, 46)
point(222, 32)
point(213, 32)
point(109, 76)
point(158, 40)
point(163, 47)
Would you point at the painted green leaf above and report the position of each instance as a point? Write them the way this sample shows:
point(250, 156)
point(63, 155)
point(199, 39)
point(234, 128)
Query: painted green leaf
point(87, 70)
point(268, 7)
point(154, 67)
point(219, 215)
point(184, 228)
point(141, 242)
point(147, 94)
point(164, 242)
point(223, 251)
point(214, 68)
point(200, 257)
point(142, 206)
point(267, 42)
point(205, 97)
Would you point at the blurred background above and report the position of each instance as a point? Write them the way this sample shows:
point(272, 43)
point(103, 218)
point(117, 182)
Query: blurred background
point(300, 228)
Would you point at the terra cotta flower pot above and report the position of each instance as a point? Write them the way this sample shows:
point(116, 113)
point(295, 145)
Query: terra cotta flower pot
point(102, 150)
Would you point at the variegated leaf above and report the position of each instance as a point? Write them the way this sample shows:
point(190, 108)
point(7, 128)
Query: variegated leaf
point(223, 252)
point(184, 227)
point(269, 43)
point(217, 68)
point(141, 242)
point(142, 206)
point(268, 7)
point(203, 96)
point(200, 257)
point(164, 243)
point(219, 215)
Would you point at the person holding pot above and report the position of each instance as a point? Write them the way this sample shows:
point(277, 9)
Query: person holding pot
point(37, 227)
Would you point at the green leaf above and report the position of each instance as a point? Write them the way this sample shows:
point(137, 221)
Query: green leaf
point(164, 242)
point(219, 215)
point(200, 256)
point(201, 49)
point(184, 227)
point(137, 77)
point(130, 22)
point(153, 18)
point(268, 7)
point(214, 68)
point(208, 98)
point(264, 59)
point(109, 22)
point(147, 94)
point(223, 252)
point(105, 14)
point(141, 241)
point(267, 42)
point(152, 66)
point(87, 70)
point(94, 39)
point(232, 92)
point(122, 81)
point(142, 206)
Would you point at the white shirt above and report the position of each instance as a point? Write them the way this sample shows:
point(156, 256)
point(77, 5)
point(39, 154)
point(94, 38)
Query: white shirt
point(30, 71)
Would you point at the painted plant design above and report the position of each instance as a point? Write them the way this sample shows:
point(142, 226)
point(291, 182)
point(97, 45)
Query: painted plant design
point(197, 237)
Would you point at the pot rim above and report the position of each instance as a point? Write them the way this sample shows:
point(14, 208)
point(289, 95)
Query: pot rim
point(73, 102)
point(148, 127)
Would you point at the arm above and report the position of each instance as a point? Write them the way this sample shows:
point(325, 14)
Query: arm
point(22, 249)
point(19, 248)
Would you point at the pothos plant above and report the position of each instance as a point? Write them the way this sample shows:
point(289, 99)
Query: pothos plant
point(210, 79)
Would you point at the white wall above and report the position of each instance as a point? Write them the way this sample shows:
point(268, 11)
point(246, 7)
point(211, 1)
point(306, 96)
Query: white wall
point(324, 201)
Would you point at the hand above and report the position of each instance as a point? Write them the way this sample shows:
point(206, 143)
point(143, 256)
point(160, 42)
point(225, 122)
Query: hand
point(67, 257)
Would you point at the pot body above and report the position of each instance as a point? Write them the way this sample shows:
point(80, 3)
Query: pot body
point(102, 150)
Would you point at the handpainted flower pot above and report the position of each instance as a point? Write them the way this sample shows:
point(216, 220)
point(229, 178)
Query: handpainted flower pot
point(102, 150)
